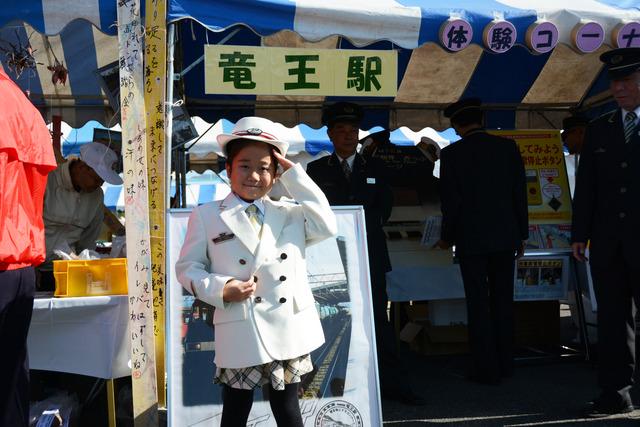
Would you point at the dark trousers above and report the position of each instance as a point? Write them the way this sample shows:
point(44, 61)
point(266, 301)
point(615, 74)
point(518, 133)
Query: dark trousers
point(393, 376)
point(16, 305)
point(616, 280)
point(488, 286)
point(236, 405)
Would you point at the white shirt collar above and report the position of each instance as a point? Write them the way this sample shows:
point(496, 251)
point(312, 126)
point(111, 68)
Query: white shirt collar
point(349, 159)
point(258, 202)
point(625, 112)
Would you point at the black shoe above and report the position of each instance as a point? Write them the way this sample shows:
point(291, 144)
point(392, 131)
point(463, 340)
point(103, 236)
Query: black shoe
point(405, 396)
point(506, 372)
point(602, 407)
point(410, 398)
point(482, 379)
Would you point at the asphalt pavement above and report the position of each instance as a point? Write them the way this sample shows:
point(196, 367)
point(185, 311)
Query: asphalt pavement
point(547, 391)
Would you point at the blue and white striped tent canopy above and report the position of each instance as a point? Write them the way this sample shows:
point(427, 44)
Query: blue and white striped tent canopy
point(80, 34)
point(302, 138)
point(522, 89)
point(406, 23)
point(73, 139)
point(306, 144)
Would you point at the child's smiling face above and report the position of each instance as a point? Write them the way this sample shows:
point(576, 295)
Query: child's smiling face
point(252, 171)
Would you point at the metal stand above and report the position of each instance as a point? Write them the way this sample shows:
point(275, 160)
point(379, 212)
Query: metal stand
point(566, 352)
point(582, 320)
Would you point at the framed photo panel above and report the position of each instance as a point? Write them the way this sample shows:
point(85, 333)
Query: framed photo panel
point(342, 389)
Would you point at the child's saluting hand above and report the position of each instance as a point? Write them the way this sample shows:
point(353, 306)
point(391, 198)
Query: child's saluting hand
point(283, 161)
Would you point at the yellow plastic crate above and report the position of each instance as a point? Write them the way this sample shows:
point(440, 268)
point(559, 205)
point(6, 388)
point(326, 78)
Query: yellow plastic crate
point(80, 278)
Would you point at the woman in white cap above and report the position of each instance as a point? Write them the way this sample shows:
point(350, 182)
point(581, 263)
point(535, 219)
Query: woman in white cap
point(245, 256)
point(73, 204)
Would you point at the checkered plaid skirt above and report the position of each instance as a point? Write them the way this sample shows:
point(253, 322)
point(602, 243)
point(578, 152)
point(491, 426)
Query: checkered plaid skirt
point(278, 373)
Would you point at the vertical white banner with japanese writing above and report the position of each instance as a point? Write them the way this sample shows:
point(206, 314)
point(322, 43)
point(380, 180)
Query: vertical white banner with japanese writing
point(155, 74)
point(143, 369)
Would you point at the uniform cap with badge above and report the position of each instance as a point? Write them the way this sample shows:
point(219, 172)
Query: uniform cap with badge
point(102, 160)
point(460, 106)
point(621, 62)
point(573, 122)
point(342, 112)
point(255, 129)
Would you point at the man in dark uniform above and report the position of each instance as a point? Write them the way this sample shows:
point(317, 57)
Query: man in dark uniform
point(484, 214)
point(346, 178)
point(606, 212)
point(573, 128)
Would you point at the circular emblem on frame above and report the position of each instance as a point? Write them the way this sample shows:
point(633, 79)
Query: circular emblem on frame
point(338, 413)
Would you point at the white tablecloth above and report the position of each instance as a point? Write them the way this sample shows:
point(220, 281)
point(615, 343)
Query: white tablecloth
point(86, 335)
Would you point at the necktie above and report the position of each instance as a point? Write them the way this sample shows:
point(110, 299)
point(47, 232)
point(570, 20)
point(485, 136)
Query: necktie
point(346, 169)
point(255, 218)
point(629, 125)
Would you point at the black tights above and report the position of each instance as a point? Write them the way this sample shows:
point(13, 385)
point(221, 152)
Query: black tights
point(236, 405)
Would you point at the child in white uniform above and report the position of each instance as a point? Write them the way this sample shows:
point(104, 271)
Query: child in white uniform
point(245, 256)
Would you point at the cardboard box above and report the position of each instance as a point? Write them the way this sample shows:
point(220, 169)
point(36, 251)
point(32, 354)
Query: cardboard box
point(405, 196)
point(435, 340)
point(537, 323)
point(447, 312)
point(417, 311)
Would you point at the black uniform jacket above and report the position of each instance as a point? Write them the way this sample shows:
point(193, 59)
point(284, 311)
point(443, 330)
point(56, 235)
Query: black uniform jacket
point(483, 194)
point(369, 187)
point(606, 207)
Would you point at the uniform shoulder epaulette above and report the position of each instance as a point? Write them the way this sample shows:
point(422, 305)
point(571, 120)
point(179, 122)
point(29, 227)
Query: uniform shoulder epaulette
point(605, 116)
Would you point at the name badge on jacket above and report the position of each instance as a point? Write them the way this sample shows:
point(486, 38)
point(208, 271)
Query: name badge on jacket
point(371, 180)
point(223, 237)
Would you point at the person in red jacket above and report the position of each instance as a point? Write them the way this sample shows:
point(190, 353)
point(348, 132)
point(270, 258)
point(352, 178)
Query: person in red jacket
point(26, 158)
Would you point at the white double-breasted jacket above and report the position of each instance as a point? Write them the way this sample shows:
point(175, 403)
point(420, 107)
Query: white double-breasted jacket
point(280, 321)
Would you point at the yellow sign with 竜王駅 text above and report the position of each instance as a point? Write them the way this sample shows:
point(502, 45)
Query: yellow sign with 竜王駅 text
point(287, 71)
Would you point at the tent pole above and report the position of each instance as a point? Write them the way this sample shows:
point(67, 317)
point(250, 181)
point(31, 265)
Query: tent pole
point(171, 30)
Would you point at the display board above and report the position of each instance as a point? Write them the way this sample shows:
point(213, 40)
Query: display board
point(540, 278)
point(549, 203)
point(548, 192)
point(342, 389)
